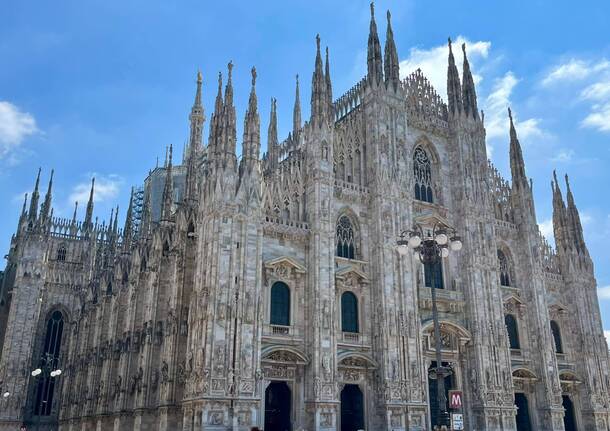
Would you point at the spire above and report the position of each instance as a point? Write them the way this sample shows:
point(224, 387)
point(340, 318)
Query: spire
point(25, 204)
point(115, 225)
point(144, 228)
point(373, 58)
point(34, 201)
point(296, 112)
point(216, 123)
point(196, 119)
point(272, 142)
point(228, 124)
point(573, 217)
point(75, 211)
point(469, 95)
point(517, 165)
point(559, 214)
point(127, 229)
point(168, 190)
point(454, 88)
point(46, 205)
point(391, 65)
point(329, 87)
point(318, 89)
point(89, 212)
point(195, 145)
point(252, 134)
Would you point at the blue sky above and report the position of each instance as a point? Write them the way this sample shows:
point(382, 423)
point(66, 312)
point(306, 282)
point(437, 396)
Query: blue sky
point(102, 87)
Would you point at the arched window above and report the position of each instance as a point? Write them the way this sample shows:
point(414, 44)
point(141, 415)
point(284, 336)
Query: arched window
point(422, 171)
point(345, 238)
point(504, 269)
point(436, 272)
point(556, 337)
point(280, 304)
point(349, 312)
point(513, 331)
point(61, 253)
point(52, 346)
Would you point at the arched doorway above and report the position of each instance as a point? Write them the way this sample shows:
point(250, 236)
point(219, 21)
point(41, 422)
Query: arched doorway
point(569, 419)
point(433, 391)
point(352, 408)
point(278, 403)
point(523, 413)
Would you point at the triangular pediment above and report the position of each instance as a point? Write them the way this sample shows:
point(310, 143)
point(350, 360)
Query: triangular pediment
point(286, 260)
point(348, 271)
point(513, 299)
point(430, 219)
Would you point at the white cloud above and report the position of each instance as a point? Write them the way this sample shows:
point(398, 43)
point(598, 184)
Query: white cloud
point(546, 228)
point(607, 335)
point(563, 156)
point(597, 91)
point(15, 126)
point(599, 117)
point(603, 293)
point(574, 70)
point(433, 61)
point(496, 115)
point(106, 188)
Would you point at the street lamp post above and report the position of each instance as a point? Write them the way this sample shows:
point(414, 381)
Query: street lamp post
point(431, 247)
point(46, 371)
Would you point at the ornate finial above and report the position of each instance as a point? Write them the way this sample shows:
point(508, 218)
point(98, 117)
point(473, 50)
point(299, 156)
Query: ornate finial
point(318, 41)
point(199, 77)
point(510, 114)
point(389, 15)
point(567, 182)
point(372, 10)
point(297, 79)
point(253, 71)
point(555, 177)
point(230, 68)
point(464, 48)
point(219, 79)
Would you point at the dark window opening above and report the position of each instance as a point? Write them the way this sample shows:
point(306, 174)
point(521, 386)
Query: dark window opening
point(280, 304)
point(349, 312)
point(513, 331)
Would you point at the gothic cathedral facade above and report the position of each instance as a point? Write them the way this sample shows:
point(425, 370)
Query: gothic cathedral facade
point(267, 291)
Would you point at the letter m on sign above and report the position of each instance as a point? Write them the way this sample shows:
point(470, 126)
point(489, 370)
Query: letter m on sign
point(455, 399)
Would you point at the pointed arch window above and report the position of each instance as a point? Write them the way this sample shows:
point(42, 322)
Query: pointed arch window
point(61, 253)
point(434, 274)
point(345, 238)
point(422, 172)
point(349, 312)
point(280, 304)
point(504, 269)
point(556, 337)
point(51, 349)
point(513, 331)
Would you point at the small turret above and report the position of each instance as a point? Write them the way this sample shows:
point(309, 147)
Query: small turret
point(195, 146)
point(454, 88)
point(373, 58)
point(469, 95)
point(391, 64)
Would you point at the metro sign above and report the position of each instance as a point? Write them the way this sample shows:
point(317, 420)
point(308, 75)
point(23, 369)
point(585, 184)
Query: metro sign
point(455, 399)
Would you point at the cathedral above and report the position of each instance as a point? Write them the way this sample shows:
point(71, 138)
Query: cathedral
point(266, 290)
